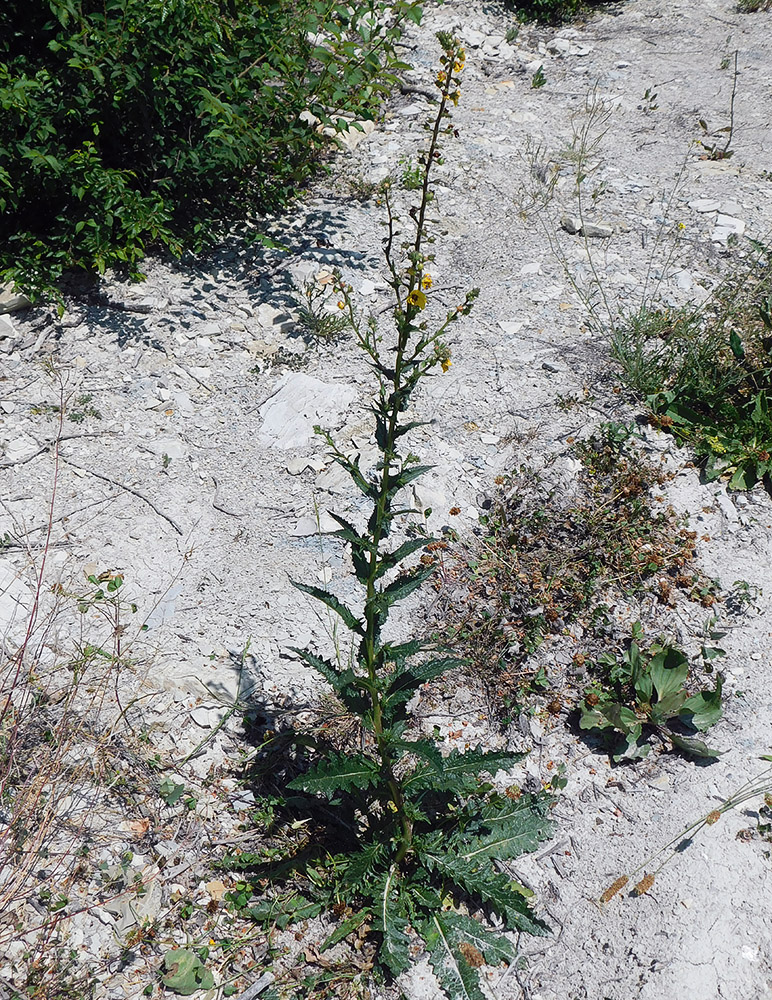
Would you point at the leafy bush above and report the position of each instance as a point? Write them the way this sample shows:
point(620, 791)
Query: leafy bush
point(706, 375)
point(127, 123)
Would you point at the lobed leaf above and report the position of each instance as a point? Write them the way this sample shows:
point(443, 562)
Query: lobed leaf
point(338, 773)
point(332, 602)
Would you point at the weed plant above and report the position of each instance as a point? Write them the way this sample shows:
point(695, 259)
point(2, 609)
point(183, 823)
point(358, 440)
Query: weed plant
point(137, 123)
point(551, 11)
point(399, 837)
point(706, 374)
point(547, 559)
point(647, 692)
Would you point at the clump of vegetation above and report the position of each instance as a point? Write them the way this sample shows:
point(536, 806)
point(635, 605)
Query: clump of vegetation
point(548, 559)
point(706, 374)
point(552, 11)
point(154, 122)
point(645, 692)
point(751, 6)
point(320, 324)
point(397, 838)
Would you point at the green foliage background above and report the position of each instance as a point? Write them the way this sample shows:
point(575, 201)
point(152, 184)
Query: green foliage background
point(131, 123)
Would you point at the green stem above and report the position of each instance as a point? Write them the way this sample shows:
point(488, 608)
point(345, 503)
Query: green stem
point(391, 404)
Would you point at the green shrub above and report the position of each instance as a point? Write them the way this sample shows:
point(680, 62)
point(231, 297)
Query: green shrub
point(128, 123)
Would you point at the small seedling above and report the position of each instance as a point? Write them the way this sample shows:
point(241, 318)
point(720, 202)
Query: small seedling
point(649, 104)
point(538, 79)
point(647, 693)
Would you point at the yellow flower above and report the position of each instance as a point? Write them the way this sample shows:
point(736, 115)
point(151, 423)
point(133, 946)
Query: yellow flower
point(446, 363)
point(458, 65)
point(454, 97)
point(441, 77)
point(416, 298)
point(426, 281)
point(341, 305)
point(715, 444)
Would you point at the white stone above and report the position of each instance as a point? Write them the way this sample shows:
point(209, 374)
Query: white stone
point(299, 403)
point(704, 205)
point(7, 329)
point(307, 526)
point(512, 326)
point(731, 223)
point(598, 230)
point(173, 447)
point(11, 300)
point(559, 46)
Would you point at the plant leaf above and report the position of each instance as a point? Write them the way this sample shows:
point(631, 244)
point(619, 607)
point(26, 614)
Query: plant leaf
point(493, 946)
point(408, 680)
point(491, 888)
point(332, 602)
point(459, 981)
point(515, 828)
point(460, 770)
point(392, 923)
point(703, 709)
point(669, 670)
point(185, 972)
point(338, 772)
point(345, 683)
point(692, 747)
point(390, 559)
point(345, 928)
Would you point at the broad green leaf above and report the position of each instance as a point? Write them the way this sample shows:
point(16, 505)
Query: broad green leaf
point(745, 476)
point(411, 678)
point(514, 829)
point(185, 972)
point(703, 709)
point(622, 718)
point(668, 670)
point(736, 345)
point(403, 586)
point(481, 883)
point(667, 707)
point(630, 748)
point(338, 773)
point(460, 771)
point(358, 870)
point(389, 560)
point(332, 602)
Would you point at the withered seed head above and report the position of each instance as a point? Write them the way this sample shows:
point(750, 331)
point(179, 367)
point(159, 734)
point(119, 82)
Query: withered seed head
point(614, 888)
point(713, 817)
point(644, 885)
